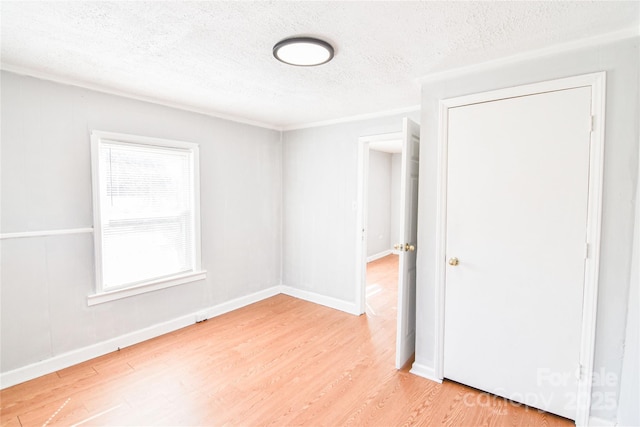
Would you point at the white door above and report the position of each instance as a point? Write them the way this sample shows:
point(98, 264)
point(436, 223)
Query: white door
point(406, 333)
point(517, 190)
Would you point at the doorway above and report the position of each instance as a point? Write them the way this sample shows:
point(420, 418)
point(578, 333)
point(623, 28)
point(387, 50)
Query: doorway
point(372, 241)
point(383, 227)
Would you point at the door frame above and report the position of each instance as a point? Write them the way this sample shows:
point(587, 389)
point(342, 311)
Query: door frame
point(362, 210)
point(597, 82)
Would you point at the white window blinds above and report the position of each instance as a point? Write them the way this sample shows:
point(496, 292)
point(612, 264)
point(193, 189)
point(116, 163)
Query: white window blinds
point(147, 213)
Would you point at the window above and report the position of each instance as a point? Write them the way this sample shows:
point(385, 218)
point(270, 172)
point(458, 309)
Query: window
point(146, 214)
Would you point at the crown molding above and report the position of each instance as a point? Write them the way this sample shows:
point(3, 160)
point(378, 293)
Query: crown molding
point(559, 48)
point(354, 118)
point(432, 77)
point(25, 71)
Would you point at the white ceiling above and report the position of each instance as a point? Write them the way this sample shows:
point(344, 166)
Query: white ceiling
point(215, 57)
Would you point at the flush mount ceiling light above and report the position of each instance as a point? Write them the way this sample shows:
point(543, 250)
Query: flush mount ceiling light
point(303, 51)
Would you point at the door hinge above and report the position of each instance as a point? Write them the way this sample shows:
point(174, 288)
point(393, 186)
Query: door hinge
point(592, 124)
point(586, 251)
point(579, 372)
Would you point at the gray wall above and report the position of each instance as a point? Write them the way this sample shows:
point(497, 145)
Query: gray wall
point(628, 407)
point(46, 185)
point(320, 171)
point(620, 61)
point(396, 166)
point(379, 203)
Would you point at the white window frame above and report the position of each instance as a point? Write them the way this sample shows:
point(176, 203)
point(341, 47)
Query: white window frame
point(104, 295)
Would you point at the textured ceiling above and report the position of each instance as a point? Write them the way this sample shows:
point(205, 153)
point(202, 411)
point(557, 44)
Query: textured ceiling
point(216, 57)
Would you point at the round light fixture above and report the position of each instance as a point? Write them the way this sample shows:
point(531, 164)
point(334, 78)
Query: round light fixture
point(303, 51)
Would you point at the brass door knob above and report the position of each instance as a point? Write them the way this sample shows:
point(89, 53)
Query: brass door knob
point(397, 247)
point(408, 247)
point(454, 261)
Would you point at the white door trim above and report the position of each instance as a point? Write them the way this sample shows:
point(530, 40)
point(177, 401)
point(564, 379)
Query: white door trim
point(362, 209)
point(597, 83)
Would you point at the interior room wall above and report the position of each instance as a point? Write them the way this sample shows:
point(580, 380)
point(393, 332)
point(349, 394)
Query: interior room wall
point(620, 59)
point(396, 165)
point(379, 203)
point(46, 185)
point(320, 175)
point(628, 408)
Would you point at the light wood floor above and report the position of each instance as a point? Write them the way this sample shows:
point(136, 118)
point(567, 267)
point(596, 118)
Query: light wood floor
point(279, 362)
point(382, 292)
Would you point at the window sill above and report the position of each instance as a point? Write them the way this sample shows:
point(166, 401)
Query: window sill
point(142, 288)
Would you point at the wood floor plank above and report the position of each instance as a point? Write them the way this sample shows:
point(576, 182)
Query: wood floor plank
point(63, 411)
point(281, 361)
point(10, 422)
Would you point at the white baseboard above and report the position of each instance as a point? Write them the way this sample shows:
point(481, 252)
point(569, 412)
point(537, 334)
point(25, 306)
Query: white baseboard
point(244, 301)
point(600, 422)
point(56, 363)
point(65, 360)
point(425, 372)
point(337, 304)
point(379, 255)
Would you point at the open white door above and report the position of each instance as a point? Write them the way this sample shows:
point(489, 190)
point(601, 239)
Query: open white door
point(405, 336)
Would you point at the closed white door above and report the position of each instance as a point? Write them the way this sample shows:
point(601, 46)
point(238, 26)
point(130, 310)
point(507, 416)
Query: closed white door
point(406, 327)
point(517, 190)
